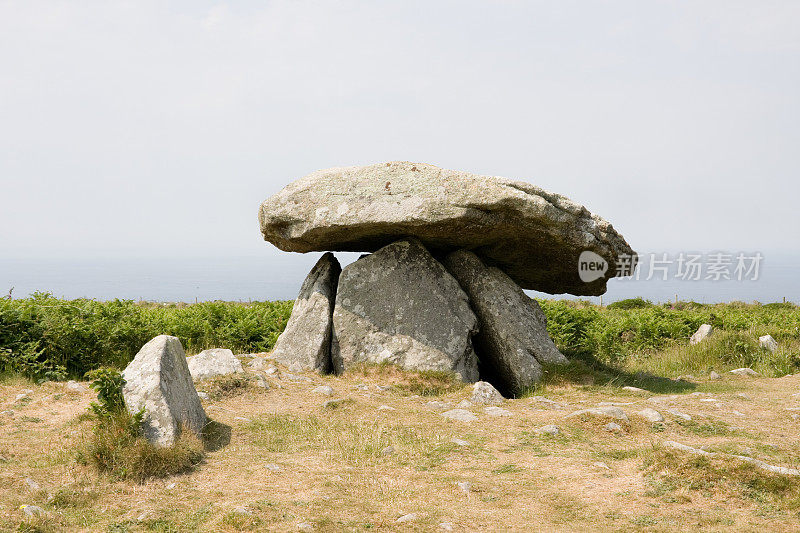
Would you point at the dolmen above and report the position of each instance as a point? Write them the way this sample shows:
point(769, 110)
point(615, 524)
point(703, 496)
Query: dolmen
point(441, 287)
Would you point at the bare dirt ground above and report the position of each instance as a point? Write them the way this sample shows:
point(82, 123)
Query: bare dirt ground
point(383, 454)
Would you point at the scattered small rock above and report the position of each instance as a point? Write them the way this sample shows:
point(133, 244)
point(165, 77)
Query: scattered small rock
point(549, 429)
point(484, 393)
point(465, 486)
point(651, 415)
point(546, 404)
point(701, 334)
point(464, 404)
point(446, 526)
point(743, 396)
point(327, 390)
point(493, 410)
point(170, 486)
point(389, 450)
point(32, 510)
point(74, 386)
point(383, 388)
point(386, 408)
point(32, 485)
point(271, 371)
point(242, 511)
point(637, 390)
point(713, 375)
point(305, 526)
point(21, 397)
point(436, 404)
point(460, 442)
point(678, 414)
point(609, 411)
point(744, 372)
point(272, 467)
point(406, 518)
point(362, 387)
point(462, 415)
point(613, 427)
point(600, 464)
point(768, 343)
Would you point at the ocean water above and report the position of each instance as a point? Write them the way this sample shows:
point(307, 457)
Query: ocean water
point(278, 276)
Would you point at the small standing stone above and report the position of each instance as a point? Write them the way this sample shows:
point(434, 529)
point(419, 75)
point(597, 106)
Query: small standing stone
point(701, 334)
point(484, 393)
point(768, 343)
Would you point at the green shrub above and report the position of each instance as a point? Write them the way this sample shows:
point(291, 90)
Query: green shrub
point(631, 303)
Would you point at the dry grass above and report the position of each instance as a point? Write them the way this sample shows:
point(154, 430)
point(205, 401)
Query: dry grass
point(290, 461)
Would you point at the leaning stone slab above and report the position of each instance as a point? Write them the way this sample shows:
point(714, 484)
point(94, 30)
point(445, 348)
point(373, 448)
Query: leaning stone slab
point(701, 334)
point(535, 236)
point(213, 362)
point(305, 344)
point(399, 305)
point(512, 341)
point(158, 381)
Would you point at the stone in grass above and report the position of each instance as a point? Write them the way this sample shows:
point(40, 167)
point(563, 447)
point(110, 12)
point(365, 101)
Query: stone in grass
point(389, 450)
point(540, 402)
point(74, 386)
point(462, 415)
point(32, 510)
point(158, 381)
point(213, 362)
point(438, 405)
point(679, 414)
point(446, 526)
point(714, 376)
point(651, 415)
point(493, 410)
point(745, 372)
point(636, 390)
point(549, 429)
point(768, 343)
point(465, 486)
point(305, 526)
point(460, 442)
point(326, 390)
point(605, 411)
point(484, 393)
point(32, 485)
point(613, 427)
point(407, 518)
point(701, 334)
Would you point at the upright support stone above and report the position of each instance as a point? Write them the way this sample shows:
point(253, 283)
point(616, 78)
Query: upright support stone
point(400, 305)
point(306, 341)
point(158, 381)
point(512, 342)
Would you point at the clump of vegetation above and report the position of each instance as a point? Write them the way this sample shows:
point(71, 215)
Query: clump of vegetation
point(48, 338)
point(227, 386)
point(670, 472)
point(117, 445)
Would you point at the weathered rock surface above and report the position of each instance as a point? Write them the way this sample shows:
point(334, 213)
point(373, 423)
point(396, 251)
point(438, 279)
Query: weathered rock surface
point(701, 334)
point(158, 381)
point(535, 236)
point(306, 341)
point(213, 362)
point(512, 339)
point(484, 393)
point(768, 343)
point(400, 305)
point(745, 372)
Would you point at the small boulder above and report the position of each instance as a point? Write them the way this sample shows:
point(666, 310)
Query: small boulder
point(713, 375)
point(604, 411)
point(158, 381)
point(651, 415)
point(327, 390)
point(768, 343)
point(549, 429)
point(305, 344)
point(745, 372)
point(701, 334)
point(74, 386)
point(493, 410)
point(680, 415)
point(462, 415)
point(484, 393)
point(613, 427)
point(213, 362)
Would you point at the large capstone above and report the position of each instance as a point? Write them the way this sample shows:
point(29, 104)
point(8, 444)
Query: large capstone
point(535, 236)
point(512, 342)
point(400, 305)
point(158, 381)
point(306, 341)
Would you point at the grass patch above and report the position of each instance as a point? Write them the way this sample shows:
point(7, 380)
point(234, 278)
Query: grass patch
point(354, 442)
point(227, 386)
point(668, 472)
point(420, 382)
point(118, 448)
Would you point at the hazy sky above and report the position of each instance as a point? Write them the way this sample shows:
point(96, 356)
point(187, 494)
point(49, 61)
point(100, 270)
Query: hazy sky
point(153, 128)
